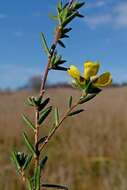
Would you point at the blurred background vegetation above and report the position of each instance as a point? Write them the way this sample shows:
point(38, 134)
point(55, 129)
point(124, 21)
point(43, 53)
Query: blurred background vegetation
point(88, 152)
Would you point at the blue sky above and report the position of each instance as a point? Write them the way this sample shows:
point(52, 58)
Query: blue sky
point(100, 36)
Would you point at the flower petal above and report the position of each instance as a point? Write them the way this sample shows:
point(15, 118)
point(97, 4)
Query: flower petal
point(90, 69)
point(103, 80)
point(74, 72)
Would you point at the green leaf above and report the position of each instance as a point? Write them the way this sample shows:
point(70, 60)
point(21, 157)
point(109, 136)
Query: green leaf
point(64, 36)
point(56, 116)
point(79, 5)
point(37, 176)
point(86, 98)
point(65, 5)
point(59, 12)
point(37, 100)
point(43, 104)
point(94, 90)
point(28, 160)
point(66, 30)
point(59, 6)
point(15, 160)
point(44, 44)
point(44, 114)
point(79, 15)
point(29, 101)
point(70, 101)
point(52, 16)
point(69, 19)
point(53, 59)
point(29, 144)
point(28, 122)
point(64, 13)
point(60, 68)
point(62, 61)
point(61, 43)
point(90, 89)
point(75, 112)
point(40, 142)
point(43, 162)
point(29, 185)
point(54, 186)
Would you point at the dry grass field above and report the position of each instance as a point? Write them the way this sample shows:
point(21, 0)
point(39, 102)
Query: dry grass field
point(89, 152)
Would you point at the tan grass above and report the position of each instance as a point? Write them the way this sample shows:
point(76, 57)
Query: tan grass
point(88, 153)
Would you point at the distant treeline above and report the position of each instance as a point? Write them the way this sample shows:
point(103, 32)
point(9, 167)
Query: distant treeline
point(34, 83)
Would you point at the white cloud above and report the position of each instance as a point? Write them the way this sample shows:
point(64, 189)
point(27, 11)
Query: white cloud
point(96, 20)
point(117, 17)
point(97, 4)
point(120, 12)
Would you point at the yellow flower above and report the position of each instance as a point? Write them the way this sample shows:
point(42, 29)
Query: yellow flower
point(90, 69)
point(90, 75)
point(103, 80)
point(74, 72)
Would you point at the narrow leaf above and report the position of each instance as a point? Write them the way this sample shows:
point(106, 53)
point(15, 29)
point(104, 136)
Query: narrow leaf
point(28, 144)
point(79, 5)
point(59, 10)
point(87, 98)
point(59, 6)
point(54, 186)
point(79, 15)
point(64, 36)
point(40, 142)
point(29, 185)
point(60, 68)
point(75, 112)
point(62, 61)
point(44, 44)
point(61, 43)
point(28, 122)
point(65, 13)
point(93, 90)
point(52, 16)
point(14, 160)
point(28, 160)
point(66, 30)
point(69, 19)
point(70, 102)
point(65, 5)
point(37, 100)
point(43, 104)
point(44, 115)
point(43, 162)
point(90, 89)
point(56, 116)
point(53, 60)
point(29, 101)
point(37, 176)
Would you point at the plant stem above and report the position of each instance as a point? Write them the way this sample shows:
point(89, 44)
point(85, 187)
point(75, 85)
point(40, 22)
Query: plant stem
point(56, 127)
point(42, 89)
point(23, 177)
point(52, 50)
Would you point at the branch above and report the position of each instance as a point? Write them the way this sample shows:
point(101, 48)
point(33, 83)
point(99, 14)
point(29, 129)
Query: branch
point(56, 127)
